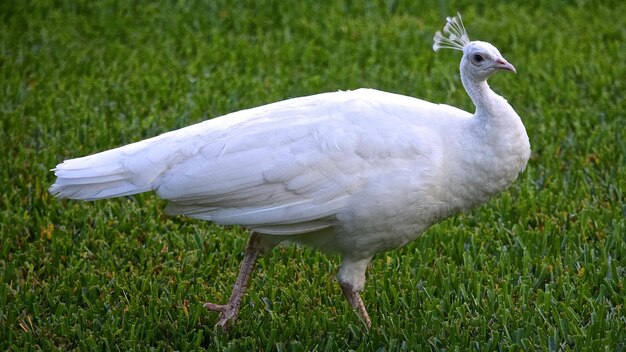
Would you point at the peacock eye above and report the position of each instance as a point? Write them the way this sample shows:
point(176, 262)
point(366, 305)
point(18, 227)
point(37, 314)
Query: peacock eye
point(477, 58)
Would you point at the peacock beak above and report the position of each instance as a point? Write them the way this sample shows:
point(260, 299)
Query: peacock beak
point(502, 64)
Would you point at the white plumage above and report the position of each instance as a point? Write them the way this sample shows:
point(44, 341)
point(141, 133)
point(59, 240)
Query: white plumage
point(354, 172)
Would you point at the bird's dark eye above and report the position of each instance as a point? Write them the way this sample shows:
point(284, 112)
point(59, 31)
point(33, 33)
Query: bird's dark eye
point(478, 58)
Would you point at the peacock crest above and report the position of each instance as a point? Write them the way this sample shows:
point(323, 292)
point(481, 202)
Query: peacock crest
point(456, 38)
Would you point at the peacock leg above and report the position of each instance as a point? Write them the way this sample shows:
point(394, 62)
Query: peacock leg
point(229, 311)
point(356, 303)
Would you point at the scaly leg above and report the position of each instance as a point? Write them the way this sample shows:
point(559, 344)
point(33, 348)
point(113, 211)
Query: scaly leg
point(356, 303)
point(351, 277)
point(229, 311)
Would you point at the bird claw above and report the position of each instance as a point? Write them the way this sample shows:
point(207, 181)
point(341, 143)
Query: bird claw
point(228, 312)
point(215, 307)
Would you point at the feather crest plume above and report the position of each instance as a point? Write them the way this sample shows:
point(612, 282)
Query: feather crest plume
point(454, 35)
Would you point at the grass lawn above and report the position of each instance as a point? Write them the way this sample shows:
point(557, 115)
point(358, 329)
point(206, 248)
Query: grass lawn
point(540, 267)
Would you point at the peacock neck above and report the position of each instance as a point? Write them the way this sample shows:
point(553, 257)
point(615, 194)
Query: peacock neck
point(480, 93)
point(498, 141)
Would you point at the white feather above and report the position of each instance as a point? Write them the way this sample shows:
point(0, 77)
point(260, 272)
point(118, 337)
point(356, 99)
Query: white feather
point(290, 161)
point(355, 172)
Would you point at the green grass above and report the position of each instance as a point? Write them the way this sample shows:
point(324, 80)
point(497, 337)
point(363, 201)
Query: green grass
point(541, 267)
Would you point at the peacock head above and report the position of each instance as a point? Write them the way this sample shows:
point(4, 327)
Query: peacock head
point(480, 59)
